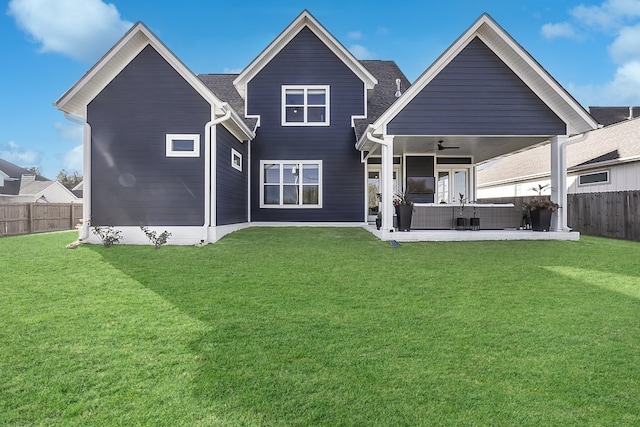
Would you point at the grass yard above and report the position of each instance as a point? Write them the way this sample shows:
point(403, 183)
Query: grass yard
point(319, 327)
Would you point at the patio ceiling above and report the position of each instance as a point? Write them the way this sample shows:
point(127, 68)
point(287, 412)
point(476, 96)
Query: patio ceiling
point(481, 148)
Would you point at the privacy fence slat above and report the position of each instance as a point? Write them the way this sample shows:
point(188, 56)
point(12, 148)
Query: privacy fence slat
point(26, 218)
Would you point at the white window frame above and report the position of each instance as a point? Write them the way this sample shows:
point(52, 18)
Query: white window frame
point(305, 105)
point(171, 137)
point(236, 155)
point(281, 184)
point(453, 198)
point(607, 181)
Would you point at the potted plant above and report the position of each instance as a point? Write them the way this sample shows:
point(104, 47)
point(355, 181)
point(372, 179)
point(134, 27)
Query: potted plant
point(475, 221)
point(461, 221)
point(540, 210)
point(404, 210)
point(379, 220)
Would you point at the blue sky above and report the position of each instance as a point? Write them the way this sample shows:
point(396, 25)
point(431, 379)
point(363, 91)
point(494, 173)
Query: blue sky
point(591, 47)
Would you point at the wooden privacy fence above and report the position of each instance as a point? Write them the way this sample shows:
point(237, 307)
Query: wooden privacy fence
point(27, 218)
point(611, 214)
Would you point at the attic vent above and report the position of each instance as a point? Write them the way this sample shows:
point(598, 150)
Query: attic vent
point(398, 93)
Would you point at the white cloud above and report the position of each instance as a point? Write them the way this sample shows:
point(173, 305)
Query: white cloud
point(611, 14)
point(73, 133)
point(72, 160)
point(562, 29)
point(232, 70)
point(626, 46)
point(354, 35)
point(14, 153)
point(360, 51)
point(81, 29)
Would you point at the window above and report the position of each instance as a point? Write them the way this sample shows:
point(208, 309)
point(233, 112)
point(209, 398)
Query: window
point(601, 177)
point(291, 184)
point(305, 105)
point(236, 160)
point(183, 145)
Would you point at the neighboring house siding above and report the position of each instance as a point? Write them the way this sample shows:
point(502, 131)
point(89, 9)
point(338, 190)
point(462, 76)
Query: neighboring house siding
point(622, 177)
point(476, 94)
point(133, 181)
point(231, 184)
point(307, 61)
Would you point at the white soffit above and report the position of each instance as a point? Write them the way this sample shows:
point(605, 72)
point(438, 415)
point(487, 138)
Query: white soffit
point(305, 19)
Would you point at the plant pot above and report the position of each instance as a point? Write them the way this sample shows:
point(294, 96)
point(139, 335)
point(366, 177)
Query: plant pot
point(462, 223)
point(405, 214)
point(475, 223)
point(541, 219)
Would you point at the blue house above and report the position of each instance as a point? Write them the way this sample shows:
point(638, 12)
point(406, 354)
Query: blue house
point(306, 133)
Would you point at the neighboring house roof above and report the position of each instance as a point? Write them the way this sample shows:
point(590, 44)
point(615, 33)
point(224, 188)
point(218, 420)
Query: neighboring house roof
point(609, 115)
point(517, 59)
point(75, 100)
point(618, 143)
point(13, 175)
point(305, 19)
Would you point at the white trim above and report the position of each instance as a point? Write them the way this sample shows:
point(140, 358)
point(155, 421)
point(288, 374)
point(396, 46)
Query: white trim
point(305, 19)
point(172, 137)
point(281, 184)
point(235, 154)
point(305, 105)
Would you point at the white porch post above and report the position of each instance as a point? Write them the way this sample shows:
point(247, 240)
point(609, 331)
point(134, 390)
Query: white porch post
point(386, 180)
point(559, 182)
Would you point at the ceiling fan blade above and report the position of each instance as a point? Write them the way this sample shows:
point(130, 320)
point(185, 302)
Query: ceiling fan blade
point(447, 147)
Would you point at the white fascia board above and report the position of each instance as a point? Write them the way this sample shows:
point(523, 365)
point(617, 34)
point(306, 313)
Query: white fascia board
point(74, 101)
point(305, 19)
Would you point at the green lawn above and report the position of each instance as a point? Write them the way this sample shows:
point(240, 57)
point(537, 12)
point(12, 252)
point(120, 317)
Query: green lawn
point(319, 326)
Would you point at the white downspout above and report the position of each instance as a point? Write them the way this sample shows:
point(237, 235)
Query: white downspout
point(209, 183)
point(83, 232)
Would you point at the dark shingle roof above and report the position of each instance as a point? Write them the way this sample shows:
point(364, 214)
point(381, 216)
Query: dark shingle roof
point(383, 95)
point(609, 115)
point(222, 86)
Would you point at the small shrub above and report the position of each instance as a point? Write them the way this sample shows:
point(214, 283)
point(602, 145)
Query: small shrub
point(157, 239)
point(108, 235)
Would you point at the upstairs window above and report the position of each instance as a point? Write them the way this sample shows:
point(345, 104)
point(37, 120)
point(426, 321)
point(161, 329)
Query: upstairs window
point(305, 105)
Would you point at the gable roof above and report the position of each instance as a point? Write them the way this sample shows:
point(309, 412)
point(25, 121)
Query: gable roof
point(518, 60)
point(618, 143)
point(305, 19)
point(75, 100)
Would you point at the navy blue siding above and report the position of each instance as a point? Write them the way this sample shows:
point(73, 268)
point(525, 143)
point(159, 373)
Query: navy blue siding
point(476, 94)
point(231, 184)
point(307, 61)
point(133, 181)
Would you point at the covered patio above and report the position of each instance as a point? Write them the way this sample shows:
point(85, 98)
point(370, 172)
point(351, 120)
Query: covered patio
point(484, 98)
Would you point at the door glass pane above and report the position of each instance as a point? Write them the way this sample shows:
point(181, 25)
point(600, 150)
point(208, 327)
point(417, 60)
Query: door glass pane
point(460, 185)
point(373, 183)
point(443, 187)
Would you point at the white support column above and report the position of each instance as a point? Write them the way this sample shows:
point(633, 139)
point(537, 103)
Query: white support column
point(386, 180)
point(559, 182)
